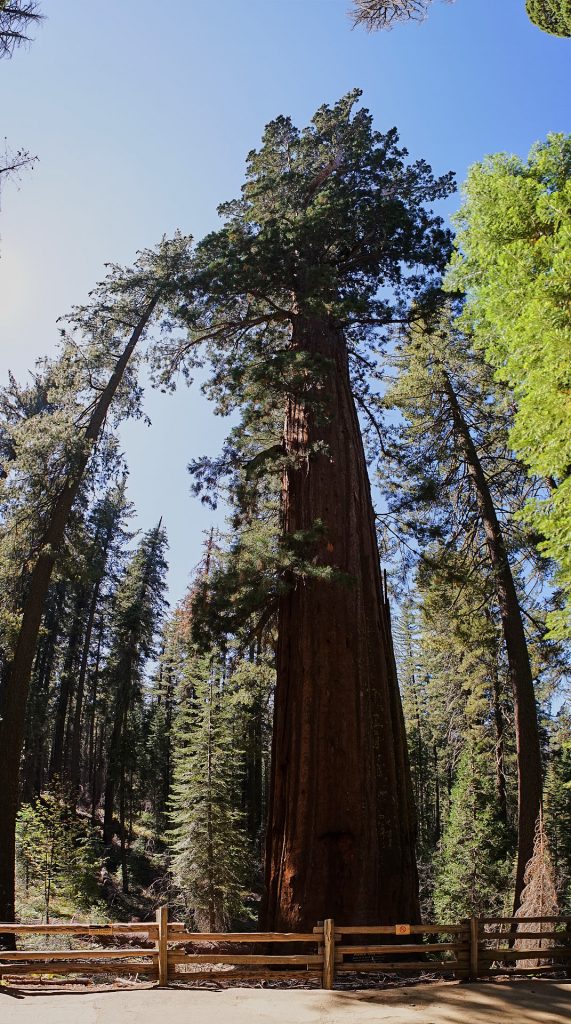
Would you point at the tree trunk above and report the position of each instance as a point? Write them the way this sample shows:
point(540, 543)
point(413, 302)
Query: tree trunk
point(16, 677)
point(36, 747)
point(341, 822)
point(116, 752)
point(75, 754)
point(528, 747)
point(66, 685)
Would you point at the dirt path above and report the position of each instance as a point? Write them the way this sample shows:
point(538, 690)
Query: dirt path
point(540, 1002)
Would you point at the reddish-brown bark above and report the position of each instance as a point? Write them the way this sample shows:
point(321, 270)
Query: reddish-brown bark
point(341, 822)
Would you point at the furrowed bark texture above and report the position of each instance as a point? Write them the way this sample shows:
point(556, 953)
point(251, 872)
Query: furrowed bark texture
point(341, 822)
point(528, 747)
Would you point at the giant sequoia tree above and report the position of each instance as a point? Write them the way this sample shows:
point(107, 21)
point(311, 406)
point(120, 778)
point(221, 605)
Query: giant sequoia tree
point(328, 244)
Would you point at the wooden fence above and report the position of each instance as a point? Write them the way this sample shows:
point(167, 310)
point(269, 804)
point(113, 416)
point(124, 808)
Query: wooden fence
point(165, 952)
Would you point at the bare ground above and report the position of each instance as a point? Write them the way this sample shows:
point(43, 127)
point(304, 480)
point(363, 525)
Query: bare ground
point(519, 1002)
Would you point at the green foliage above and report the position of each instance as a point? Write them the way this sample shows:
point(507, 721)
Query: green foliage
point(208, 838)
point(553, 16)
point(139, 607)
point(334, 223)
point(472, 869)
point(513, 259)
point(456, 711)
point(557, 805)
point(58, 854)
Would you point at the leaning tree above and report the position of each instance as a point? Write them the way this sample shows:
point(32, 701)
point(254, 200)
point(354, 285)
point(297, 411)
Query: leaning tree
point(329, 243)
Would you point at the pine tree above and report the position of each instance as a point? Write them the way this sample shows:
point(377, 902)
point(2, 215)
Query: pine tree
point(452, 462)
point(557, 804)
point(138, 611)
point(472, 870)
point(49, 452)
point(208, 837)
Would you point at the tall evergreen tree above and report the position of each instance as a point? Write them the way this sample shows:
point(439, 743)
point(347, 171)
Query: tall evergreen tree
point(472, 868)
point(557, 805)
point(138, 611)
point(93, 380)
point(332, 238)
point(453, 447)
point(208, 836)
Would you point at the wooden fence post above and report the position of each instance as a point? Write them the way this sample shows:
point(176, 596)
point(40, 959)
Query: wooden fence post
point(162, 921)
point(474, 943)
point(328, 953)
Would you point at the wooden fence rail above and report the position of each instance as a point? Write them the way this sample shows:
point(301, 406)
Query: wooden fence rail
point(479, 947)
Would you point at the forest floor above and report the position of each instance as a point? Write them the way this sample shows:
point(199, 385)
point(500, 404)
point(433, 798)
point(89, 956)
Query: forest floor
point(519, 1002)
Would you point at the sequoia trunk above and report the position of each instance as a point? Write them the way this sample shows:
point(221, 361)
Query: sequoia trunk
point(341, 822)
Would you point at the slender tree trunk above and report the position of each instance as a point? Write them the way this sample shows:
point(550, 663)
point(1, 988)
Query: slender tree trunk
point(437, 821)
point(525, 710)
point(115, 754)
point(212, 923)
point(499, 724)
point(122, 819)
point(341, 822)
point(35, 752)
point(66, 685)
point(15, 682)
point(74, 763)
point(93, 760)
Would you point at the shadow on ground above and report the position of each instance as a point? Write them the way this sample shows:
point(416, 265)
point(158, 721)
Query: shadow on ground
point(515, 1002)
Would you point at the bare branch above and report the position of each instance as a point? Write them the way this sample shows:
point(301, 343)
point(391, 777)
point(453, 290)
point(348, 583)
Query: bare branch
point(16, 19)
point(383, 14)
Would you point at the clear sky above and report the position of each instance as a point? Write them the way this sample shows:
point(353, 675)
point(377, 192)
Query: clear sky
point(142, 113)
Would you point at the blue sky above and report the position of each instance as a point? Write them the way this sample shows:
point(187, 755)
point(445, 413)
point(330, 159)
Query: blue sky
point(142, 114)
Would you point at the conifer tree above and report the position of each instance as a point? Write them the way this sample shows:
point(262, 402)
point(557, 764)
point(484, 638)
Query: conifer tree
point(138, 611)
point(49, 451)
point(208, 837)
point(332, 238)
point(453, 461)
point(472, 870)
point(557, 805)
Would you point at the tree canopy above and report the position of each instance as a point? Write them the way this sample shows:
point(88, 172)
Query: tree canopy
point(553, 16)
point(513, 258)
